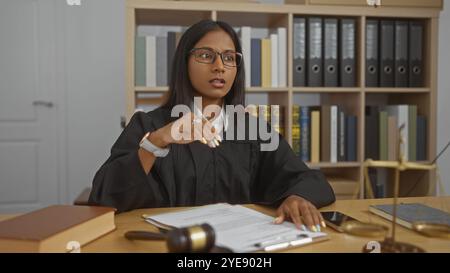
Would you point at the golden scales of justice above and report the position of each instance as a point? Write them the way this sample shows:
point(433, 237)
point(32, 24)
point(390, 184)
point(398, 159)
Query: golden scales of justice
point(389, 244)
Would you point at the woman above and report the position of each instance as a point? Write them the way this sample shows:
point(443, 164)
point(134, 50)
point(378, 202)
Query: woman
point(150, 166)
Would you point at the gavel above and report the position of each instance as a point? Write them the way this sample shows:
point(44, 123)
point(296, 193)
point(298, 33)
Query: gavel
point(196, 238)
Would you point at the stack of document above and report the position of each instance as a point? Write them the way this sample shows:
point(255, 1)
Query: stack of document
point(239, 228)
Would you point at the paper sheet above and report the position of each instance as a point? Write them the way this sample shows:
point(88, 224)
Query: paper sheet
point(237, 227)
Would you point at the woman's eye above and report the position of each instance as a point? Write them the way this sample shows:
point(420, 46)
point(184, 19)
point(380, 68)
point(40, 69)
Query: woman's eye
point(205, 55)
point(229, 58)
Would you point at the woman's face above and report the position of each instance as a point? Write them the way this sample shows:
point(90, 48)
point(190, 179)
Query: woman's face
point(212, 81)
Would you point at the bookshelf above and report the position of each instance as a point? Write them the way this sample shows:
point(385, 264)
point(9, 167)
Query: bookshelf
point(353, 99)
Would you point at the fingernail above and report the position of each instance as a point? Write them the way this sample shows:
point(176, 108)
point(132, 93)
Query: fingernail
point(303, 227)
point(323, 224)
point(318, 228)
point(216, 142)
point(219, 138)
point(313, 228)
point(204, 140)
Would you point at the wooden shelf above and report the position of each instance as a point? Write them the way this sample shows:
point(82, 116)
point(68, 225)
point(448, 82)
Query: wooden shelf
point(172, 18)
point(326, 89)
point(392, 3)
point(336, 8)
point(352, 99)
point(307, 89)
point(144, 89)
point(341, 164)
point(267, 89)
point(159, 89)
point(396, 90)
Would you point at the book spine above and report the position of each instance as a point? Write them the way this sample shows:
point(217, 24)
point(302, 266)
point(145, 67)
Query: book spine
point(282, 57)
point(334, 134)
point(383, 135)
point(341, 136)
point(150, 55)
point(392, 139)
point(412, 132)
point(246, 52)
point(276, 118)
point(296, 129)
point(274, 59)
point(351, 140)
point(304, 125)
point(139, 61)
point(371, 133)
point(325, 128)
point(266, 63)
point(421, 138)
point(161, 61)
point(256, 62)
point(315, 136)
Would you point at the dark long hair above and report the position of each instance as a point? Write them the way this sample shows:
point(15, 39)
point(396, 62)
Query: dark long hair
point(181, 90)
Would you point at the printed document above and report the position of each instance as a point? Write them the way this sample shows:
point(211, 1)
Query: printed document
point(239, 228)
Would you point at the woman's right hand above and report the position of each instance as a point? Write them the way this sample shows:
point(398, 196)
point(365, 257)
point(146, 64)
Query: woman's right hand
point(184, 130)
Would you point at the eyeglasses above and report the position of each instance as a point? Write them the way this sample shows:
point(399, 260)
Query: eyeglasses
point(208, 56)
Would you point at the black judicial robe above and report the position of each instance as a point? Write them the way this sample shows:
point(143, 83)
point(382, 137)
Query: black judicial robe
point(236, 172)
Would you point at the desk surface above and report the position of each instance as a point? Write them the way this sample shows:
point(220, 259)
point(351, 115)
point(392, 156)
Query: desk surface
point(358, 209)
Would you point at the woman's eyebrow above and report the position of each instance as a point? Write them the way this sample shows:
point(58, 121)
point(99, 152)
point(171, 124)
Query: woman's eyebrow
point(209, 47)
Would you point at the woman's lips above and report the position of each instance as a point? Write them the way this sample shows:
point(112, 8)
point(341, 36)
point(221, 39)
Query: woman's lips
point(217, 83)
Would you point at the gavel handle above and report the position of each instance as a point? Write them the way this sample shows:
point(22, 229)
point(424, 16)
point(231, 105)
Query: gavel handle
point(144, 235)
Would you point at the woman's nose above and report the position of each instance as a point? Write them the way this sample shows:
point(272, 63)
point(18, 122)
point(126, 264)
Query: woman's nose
point(218, 64)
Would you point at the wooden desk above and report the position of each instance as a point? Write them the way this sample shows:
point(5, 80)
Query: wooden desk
point(358, 209)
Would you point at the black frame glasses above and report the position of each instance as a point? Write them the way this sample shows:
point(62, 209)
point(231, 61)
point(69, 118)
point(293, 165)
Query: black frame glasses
point(197, 52)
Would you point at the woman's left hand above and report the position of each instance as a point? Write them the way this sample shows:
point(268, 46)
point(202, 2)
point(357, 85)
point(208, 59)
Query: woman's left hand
point(295, 208)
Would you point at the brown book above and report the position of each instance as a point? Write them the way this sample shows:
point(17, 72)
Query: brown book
point(55, 228)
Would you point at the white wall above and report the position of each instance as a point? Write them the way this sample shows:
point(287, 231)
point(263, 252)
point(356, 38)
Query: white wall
point(443, 111)
point(94, 46)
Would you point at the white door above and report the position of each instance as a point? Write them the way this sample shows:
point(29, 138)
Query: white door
point(28, 112)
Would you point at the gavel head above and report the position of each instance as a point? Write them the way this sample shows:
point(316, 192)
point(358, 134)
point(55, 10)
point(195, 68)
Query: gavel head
point(198, 238)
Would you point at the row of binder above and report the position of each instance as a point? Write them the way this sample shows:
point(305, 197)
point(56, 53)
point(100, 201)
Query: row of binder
point(394, 53)
point(324, 52)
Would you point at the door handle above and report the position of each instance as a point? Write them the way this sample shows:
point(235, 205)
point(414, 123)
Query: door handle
point(48, 104)
point(123, 122)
